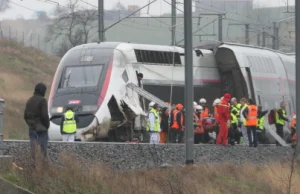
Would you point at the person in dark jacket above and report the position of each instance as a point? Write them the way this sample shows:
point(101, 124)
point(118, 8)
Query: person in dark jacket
point(37, 119)
point(69, 136)
point(164, 125)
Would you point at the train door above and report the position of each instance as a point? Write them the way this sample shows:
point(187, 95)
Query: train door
point(232, 79)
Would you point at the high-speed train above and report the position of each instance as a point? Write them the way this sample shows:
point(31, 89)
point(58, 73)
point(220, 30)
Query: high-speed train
point(93, 78)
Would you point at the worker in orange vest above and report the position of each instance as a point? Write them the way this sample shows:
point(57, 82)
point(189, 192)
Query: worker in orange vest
point(250, 113)
point(224, 119)
point(205, 112)
point(198, 126)
point(293, 124)
point(177, 124)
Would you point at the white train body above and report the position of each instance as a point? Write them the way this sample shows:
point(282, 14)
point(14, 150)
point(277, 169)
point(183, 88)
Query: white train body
point(92, 79)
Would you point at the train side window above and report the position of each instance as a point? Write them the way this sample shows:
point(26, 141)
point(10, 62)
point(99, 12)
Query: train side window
point(125, 76)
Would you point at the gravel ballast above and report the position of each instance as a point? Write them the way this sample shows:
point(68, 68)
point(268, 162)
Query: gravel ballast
point(133, 156)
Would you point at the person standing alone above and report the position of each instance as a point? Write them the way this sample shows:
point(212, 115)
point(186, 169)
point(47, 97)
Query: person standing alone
point(37, 118)
point(68, 125)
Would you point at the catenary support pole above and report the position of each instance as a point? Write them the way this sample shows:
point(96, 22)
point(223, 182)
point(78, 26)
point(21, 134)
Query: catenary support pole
point(220, 27)
point(297, 10)
point(101, 20)
point(1, 119)
point(258, 39)
point(173, 41)
point(274, 36)
point(189, 88)
point(263, 38)
point(277, 38)
point(247, 41)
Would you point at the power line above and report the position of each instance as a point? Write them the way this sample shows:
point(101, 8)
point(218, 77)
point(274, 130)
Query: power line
point(23, 6)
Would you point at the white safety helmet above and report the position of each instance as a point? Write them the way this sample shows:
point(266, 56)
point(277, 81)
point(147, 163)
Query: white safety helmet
point(202, 100)
point(151, 104)
point(216, 102)
point(198, 107)
point(195, 104)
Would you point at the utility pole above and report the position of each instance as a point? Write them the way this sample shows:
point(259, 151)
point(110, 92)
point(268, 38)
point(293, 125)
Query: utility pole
point(258, 39)
point(173, 41)
point(247, 27)
point(189, 88)
point(220, 27)
point(247, 41)
point(263, 38)
point(101, 20)
point(297, 10)
point(275, 38)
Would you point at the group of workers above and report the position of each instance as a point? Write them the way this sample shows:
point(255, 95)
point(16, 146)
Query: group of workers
point(230, 122)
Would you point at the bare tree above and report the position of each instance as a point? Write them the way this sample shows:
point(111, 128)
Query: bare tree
point(73, 24)
point(4, 4)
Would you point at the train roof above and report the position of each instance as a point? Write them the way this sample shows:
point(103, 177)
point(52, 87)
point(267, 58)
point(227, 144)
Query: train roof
point(214, 45)
point(123, 45)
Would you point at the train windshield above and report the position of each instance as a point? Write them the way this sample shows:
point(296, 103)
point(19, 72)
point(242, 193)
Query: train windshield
point(81, 76)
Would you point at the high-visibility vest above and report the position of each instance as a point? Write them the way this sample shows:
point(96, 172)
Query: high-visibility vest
point(205, 113)
point(293, 122)
point(198, 129)
point(278, 120)
point(156, 122)
point(175, 125)
point(234, 116)
point(69, 124)
point(251, 119)
point(260, 123)
point(244, 119)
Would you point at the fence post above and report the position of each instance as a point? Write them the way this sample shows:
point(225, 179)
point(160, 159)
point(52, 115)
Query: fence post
point(2, 102)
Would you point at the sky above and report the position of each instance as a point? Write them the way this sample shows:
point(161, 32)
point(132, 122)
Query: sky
point(157, 8)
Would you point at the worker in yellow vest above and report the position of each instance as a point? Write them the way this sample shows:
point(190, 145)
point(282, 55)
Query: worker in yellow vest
point(242, 122)
point(234, 133)
point(153, 124)
point(281, 118)
point(68, 125)
point(261, 131)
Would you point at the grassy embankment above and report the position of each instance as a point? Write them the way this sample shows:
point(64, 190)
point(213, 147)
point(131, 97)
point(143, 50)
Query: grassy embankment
point(20, 69)
point(79, 176)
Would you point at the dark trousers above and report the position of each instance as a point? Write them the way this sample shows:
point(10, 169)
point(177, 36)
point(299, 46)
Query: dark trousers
point(198, 138)
point(252, 130)
point(279, 131)
point(39, 139)
point(176, 135)
point(234, 134)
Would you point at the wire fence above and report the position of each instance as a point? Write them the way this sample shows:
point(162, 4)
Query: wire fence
point(28, 38)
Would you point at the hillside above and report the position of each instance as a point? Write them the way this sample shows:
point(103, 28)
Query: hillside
point(20, 69)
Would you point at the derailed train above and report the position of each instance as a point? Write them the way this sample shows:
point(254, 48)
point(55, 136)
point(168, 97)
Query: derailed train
point(93, 78)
